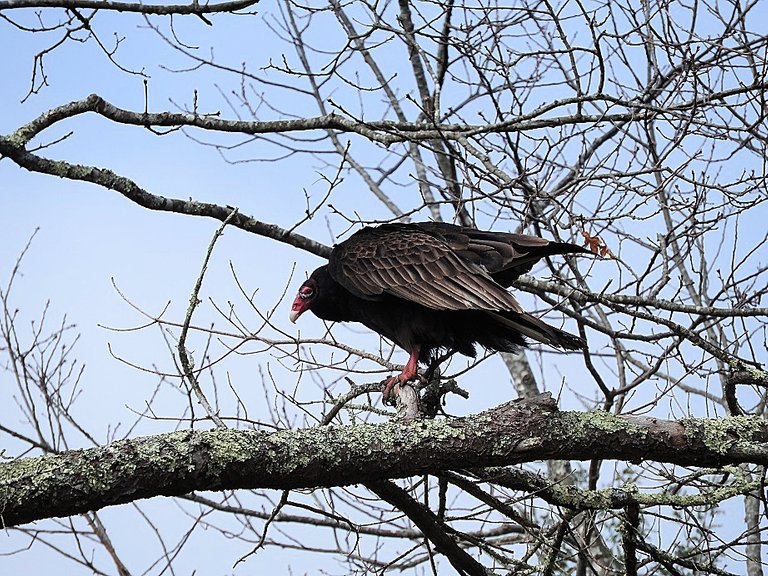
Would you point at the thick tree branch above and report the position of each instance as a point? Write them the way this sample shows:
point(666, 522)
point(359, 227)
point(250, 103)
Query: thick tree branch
point(575, 498)
point(384, 132)
point(180, 462)
point(135, 193)
point(139, 7)
point(430, 525)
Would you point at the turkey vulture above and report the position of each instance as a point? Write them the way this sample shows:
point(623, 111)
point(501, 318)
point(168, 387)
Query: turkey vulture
point(429, 286)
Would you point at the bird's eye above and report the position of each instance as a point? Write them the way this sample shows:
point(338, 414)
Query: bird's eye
point(306, 292)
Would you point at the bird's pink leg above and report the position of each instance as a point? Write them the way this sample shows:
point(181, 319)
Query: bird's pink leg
point(410, 372)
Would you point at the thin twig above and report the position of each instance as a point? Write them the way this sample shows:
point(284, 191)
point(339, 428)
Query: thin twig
point(186, 364)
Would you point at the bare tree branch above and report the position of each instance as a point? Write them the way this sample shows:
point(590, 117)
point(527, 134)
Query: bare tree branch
point(181, 462)
point(160, 10)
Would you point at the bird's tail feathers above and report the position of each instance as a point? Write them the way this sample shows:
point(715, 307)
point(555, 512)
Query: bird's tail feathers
point(540, 331)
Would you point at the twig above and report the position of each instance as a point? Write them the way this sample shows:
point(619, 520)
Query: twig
point(186, 364)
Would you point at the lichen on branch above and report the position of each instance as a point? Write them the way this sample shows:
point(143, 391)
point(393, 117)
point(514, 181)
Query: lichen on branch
point(180, 462)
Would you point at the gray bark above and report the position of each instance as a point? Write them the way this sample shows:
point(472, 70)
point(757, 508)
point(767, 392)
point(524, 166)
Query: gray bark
point(180, 462)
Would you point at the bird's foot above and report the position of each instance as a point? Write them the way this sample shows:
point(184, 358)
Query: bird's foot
point(391, 386)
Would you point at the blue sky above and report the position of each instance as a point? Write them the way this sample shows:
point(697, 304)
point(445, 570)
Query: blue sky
point(90, 237)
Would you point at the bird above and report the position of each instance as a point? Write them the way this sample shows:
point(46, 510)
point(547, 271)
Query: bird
point(433, 286)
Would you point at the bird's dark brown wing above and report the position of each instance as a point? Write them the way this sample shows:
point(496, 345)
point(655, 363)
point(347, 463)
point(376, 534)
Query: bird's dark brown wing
point(504, 255)
point(410, 262)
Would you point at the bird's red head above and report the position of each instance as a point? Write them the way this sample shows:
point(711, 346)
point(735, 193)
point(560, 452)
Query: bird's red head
point(304, 299)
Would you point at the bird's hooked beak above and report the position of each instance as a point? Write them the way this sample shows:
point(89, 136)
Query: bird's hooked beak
point(297, 308)
point(303, 301)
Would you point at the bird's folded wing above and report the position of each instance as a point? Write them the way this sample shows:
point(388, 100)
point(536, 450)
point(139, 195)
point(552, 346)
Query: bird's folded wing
point(503, 254)
point(417, 266)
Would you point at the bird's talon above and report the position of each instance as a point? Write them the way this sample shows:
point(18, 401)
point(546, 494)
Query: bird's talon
point(390, 385)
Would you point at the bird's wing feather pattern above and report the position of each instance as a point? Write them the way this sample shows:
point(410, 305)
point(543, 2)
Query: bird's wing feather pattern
point(414, 264)
point(504, 255)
